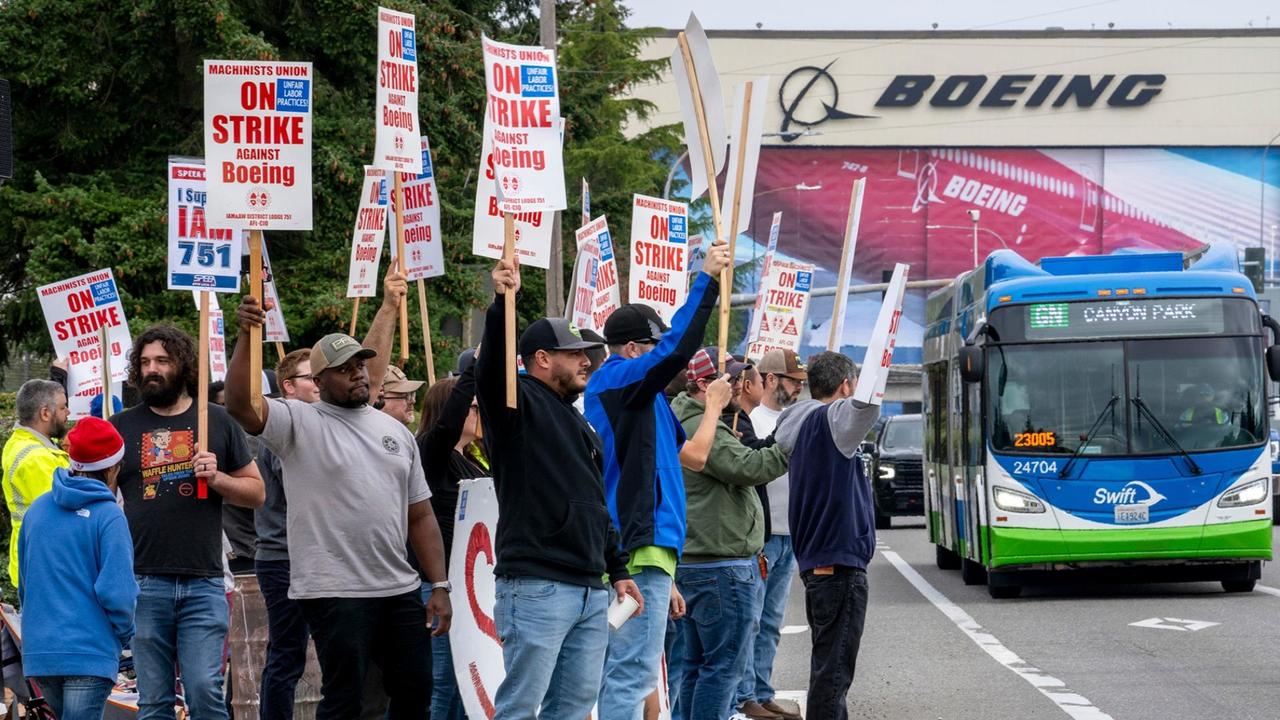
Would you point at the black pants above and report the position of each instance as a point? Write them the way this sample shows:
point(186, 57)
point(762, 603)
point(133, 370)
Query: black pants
point(286, 642)
point(836, 606)
point(392, 633)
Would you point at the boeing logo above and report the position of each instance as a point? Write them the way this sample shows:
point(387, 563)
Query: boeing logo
point(1128, 495)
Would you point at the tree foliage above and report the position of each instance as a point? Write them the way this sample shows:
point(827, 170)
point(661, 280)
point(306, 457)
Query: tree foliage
point(104, 92)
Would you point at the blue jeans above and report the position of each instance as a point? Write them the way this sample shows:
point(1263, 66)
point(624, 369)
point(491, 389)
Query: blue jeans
point(75, 697)
point(720, 599)
point(554, 637)
point(286, 642)
point(446, 701)
point(182, 622)
point(631, 666)
point(747, 684)
point(782, 567)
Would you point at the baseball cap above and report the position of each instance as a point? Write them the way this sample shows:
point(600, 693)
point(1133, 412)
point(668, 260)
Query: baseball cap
point(782, 362)
point(634, 323)
point(466, 359)
point(397, 382)
point(706, 363)
point(335, 349)
point(552, 334)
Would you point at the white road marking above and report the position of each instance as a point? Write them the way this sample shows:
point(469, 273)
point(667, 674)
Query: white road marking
point(794, 629)
point(800, 697)
point(1267, 590)
point(1073, 704)
point(1169, 623)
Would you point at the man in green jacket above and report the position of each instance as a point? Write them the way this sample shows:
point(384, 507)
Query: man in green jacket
point(716, 575)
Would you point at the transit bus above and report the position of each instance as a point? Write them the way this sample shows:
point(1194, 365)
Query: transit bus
point(1099, 412)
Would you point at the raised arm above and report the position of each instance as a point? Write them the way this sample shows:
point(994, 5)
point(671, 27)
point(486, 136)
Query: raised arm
point(438, 442)
point(395, 290)
point(239, 405)
point(694, 453)
point(733, 463)
point(850, 421)
point(491, 388)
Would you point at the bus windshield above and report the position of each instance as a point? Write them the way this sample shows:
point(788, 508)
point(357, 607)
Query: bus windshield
point(1205, 392)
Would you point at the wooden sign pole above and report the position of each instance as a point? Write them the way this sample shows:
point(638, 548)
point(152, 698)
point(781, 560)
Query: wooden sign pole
point(842, 284)
point(426, 333)
point(404, 304)
point(705, 140)
point(255, 332)
point(279, 349)
point(202, 391)
point(509, 308)
point(355, 315)
point(104, 343)
point(726, 286)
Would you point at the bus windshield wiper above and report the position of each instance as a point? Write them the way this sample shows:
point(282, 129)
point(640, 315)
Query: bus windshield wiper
point(1164, 433)
point(1089, 436)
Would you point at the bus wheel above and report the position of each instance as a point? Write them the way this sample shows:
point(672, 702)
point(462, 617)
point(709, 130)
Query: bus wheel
point(973, 573)
point(999, 588)
point(1238, 586)
point(945, 559)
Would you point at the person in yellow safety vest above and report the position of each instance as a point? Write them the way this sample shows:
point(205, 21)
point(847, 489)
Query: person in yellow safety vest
point(31, 455)
point(1203, 409)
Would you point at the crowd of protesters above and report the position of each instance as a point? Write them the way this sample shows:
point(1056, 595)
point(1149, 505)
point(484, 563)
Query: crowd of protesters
point(652, 475)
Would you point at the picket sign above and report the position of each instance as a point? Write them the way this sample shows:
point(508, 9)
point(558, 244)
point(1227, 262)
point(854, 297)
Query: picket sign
point(577, 256)
point(659, 255)
point(276, 331)
point(846, 264)
point(396, 120)
point(74, 310)
point(701, 110)
point(785, 301)
point(524, 124)
point(368, 234)
point(775, 229)
point(875, 366)
point(216, 338)
point(586, 271)
point(200, 257)
point(607, 294)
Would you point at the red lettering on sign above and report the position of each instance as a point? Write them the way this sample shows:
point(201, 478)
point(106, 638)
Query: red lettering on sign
point(479, 542)
point(485, 703)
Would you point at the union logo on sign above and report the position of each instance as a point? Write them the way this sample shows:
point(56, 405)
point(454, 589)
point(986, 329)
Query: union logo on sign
point(258, 198)
point(399, 143)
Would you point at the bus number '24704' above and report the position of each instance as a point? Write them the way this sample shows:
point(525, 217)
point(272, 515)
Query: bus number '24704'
point(1035, 467)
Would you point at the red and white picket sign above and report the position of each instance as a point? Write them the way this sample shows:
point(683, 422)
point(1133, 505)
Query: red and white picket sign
point(659, 255)
point(396, 122)
point(217, 338)
point(368, 234)
point(477, 653)
point(275, 330)
point(875, 366)
point(75, 309)
point(782, 314)
point(423, 243)
point(607, 295)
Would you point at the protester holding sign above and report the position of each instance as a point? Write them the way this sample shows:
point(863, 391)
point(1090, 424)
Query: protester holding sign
point(832, 523)
point(173, 498)
point(357, 495)
point(643, 484)
point(555, 539)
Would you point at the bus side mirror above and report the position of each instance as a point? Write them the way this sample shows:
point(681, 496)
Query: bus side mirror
point(973, 363)
point(1273, 362)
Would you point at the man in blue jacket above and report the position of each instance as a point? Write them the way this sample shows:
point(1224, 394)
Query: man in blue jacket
point(77, 590)
point(643, 481)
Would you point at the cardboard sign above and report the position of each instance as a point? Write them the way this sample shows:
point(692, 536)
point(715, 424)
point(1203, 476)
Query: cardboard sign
point(774, 229)
point(586, 269)
point(750, 158)
point(200, 257)
point(423, 242)
point(533, 229)
point(659, 255)
point(477, 654)
point(257, 144)
point(275, 330)
point(217, 338)
point(846, 263)
point(875, 366)
point(367, 237)
point(712, 104)
point(74, 309)
point(396, 122)
point(522, 122)
point(782, 314)
point(608, 294)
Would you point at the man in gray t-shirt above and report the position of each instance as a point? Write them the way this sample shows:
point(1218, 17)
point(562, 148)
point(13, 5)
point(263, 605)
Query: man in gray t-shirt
point(356, 494)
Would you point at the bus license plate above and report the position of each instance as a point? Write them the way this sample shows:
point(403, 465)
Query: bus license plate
point(1132, 514)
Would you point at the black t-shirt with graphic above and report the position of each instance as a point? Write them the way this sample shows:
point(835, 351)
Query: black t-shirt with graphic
point(176, 521)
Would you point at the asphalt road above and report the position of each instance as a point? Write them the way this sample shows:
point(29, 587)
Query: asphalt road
point(934, 648)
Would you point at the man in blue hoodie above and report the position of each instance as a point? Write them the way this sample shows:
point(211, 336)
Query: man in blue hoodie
point(77, 590)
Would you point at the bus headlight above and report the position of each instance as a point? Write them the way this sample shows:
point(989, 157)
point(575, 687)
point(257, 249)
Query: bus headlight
point(887, 472)
point(1014, 501)
point(1249, 493)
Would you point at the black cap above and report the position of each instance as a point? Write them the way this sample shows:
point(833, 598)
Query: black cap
point(466, 359)
point(634, 323)
point(552, 334)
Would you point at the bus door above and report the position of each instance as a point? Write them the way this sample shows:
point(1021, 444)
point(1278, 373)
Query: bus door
point(972, 464)
point(956, 475)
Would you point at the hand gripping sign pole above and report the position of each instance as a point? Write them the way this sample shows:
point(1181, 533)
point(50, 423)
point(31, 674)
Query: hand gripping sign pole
point(704, 139)
point(104, 343)
point(202, 391)
point(726, 278)
point(509, 308)
point(403, 266)
point(846, 265)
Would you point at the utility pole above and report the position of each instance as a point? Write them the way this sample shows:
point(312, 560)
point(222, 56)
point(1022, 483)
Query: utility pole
point(555, 271)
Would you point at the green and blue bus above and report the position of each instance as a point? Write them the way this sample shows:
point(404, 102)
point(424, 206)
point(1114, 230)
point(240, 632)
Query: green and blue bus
point(1102, 413)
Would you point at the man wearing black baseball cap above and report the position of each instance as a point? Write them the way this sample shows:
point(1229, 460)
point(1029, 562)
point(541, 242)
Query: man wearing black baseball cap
point(642, 477)
point(555, 540)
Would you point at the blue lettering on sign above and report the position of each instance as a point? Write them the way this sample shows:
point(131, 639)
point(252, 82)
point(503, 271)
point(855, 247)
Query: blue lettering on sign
point(606, 246)
point(462, 505)
point(426, 165)
point(218, 326)
point(104, 292)
point(804, 280)
point(382, 192)
point(293, 95)
point(537, 81)
point(676, 230)
point(408, 45)
point(209, 282)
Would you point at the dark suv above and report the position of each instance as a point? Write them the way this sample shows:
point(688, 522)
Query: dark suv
point(894, 455)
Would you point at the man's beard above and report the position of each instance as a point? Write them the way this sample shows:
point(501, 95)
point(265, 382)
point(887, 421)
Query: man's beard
point(782, 397)
point(164, 394)
point(568, 381)
point(58, 431)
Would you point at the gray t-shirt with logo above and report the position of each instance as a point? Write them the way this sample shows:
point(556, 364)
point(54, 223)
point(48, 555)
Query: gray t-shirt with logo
point(350, 476)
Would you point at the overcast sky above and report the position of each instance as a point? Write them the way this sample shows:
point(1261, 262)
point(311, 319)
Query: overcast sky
point(955, 14)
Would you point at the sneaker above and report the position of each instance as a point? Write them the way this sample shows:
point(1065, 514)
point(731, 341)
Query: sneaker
point(756, 711)
point(788, 709)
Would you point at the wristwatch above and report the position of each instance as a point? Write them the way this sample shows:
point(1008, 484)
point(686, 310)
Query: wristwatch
point(444, 585)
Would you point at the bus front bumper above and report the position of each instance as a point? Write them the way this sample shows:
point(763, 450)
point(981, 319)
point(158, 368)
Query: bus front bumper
point(1250, 540)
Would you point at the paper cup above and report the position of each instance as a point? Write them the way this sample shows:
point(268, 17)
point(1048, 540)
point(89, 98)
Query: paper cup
point(621, 611)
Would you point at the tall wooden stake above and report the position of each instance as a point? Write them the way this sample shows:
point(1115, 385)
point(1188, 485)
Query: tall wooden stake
point(726, 285)
point(404, 304)
point(509, 308)
point(355, 315)
point(426, 333)
point(105, 344)
point(202, 392)
point(705, 140)
point(255, 332)
point(279, 349)
point(842, 284)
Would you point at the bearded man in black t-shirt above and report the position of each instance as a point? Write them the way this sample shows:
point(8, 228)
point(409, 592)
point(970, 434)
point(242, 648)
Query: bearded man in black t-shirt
point(173, 499)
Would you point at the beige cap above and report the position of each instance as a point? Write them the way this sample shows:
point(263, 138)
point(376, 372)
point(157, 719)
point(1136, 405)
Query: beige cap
point(397, 382)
